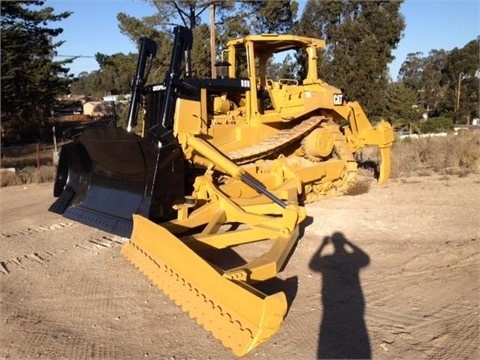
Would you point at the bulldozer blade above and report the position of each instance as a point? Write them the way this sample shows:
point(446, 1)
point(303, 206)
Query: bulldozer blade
point(107, 175)
point(385, 165)
point(238, 315)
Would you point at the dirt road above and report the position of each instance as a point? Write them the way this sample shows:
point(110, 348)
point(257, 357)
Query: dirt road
point(393, 273)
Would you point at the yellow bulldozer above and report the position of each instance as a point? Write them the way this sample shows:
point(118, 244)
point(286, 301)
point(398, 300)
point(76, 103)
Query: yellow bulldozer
point(222, 164)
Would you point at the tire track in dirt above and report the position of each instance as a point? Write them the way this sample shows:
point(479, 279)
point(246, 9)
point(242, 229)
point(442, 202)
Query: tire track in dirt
point(70, 331)
point(446, 272)
point(459, 338)
point(450, 333)
point(38, 258)
point(52, 341)
point(24, 261)
point(38, 229)
point(437, 324)
point(420, 290)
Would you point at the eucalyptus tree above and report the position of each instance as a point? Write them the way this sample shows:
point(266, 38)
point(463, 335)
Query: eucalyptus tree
point(230, 19)
point(412, 70)
point(434, 88)
point(424, 75)
point(167, 14)
point(462, 74)
point(446, 82)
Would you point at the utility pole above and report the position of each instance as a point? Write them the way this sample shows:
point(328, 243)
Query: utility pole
point(213, 50)
point(460, 78)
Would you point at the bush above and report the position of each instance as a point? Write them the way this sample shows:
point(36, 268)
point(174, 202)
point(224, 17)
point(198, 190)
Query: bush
point(436, 125)
point(28, 175)
point(8, 178)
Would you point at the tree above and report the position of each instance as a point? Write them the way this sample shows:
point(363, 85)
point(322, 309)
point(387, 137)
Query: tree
point(424, 76)
point(31, 80)
point(462, 73)
point(136, 28)
point(411, 71)
point(284, 70)
point(262, 16)
point(257, 15)
point(434, 89)
point(116, 72)
point(158, 28)
point(235, 18)
point(360, 37)
point(180, 12)
point(401, 107)
point(446, 82)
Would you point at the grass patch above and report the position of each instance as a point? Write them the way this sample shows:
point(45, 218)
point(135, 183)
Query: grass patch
point(23, 165)
point(450, 155)
point(28, 175)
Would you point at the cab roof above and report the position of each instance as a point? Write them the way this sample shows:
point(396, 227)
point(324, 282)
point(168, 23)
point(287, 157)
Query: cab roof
point(277, 43)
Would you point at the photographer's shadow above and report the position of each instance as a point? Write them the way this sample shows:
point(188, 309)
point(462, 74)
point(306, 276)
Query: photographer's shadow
point(343, 333)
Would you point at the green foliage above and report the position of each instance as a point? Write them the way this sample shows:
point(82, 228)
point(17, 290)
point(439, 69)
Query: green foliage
point(401, 105)
point(270, 16)
point(401, 108)
point(201, 52)
point(439, 124)
point(113, 77)
point(284, 70)
point(31, 80)
point(411, 70)
point(446, 82)
point(424, 75)
point(462, 71)
point(233, 19)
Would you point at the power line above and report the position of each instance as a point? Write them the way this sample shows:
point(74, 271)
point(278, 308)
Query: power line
point(76, 56)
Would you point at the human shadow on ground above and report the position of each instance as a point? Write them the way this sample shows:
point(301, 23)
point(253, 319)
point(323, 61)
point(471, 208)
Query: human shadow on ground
point(343, 333)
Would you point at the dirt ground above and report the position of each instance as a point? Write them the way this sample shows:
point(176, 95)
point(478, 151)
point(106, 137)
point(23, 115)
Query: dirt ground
point(393, 273)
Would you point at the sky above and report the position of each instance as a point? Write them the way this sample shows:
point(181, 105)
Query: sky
point(93, 27)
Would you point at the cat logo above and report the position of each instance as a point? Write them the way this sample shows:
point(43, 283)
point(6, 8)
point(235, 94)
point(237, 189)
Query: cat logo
point(337, 99)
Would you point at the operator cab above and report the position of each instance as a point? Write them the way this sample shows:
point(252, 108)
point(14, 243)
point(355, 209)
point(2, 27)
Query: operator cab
point(277, 89)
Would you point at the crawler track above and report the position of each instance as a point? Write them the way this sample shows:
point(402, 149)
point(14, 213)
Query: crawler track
point(273, 147)
point(275, 144)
